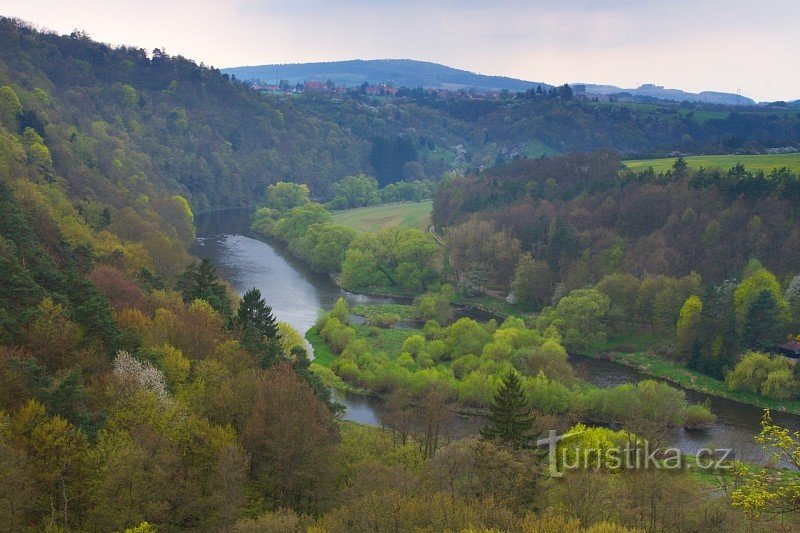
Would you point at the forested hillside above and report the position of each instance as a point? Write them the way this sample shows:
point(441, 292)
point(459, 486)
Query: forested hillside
point(124, 119)
point(585, 217)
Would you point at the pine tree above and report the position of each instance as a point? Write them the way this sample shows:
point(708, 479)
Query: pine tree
point(200, 282)
point(510, 418)
point(258, 327)
point(765, 325)
point(255, 313)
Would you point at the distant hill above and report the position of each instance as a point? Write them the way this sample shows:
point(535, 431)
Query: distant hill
point(677, 95)
point(401, 72)
point(411, 73)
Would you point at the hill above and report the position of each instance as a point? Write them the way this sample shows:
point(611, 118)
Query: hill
point(411, 73)
point(401, 72)
point(649, 90)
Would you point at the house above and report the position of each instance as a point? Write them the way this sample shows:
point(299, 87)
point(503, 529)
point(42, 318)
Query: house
point(790, 349)
point(314, 86)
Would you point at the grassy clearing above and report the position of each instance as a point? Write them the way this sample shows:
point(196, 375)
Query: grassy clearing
point(656, 366)
point(387, 340)
point(323, 355)
point(765, 162)
point(405, 312)
point(405, 215)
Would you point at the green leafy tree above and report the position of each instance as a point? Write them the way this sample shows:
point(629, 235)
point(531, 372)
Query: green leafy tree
point(355, 191)
point(10, 108)
point(688, 325)
point(751, 289)
point(510, 417)
point(533, 282)
point(284, 196)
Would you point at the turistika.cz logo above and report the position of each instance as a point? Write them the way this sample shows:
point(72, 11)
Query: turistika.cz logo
point(634, 455)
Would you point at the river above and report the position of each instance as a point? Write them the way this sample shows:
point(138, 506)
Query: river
point(297, 295)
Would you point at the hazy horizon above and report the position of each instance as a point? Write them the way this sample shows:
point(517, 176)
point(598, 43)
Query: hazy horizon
point(716, 46)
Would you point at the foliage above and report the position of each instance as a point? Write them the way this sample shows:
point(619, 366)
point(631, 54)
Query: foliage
point(200, 282)
point(510, 418)
point(284, 196)
point(394, 259)
point(689, 324)
point(760, 373)
point(579, 317)
point(767, 493)
point(355, 191)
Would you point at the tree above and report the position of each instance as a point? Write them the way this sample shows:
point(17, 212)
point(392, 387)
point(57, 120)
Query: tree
point(200, 282)
point(687, 328)
point(396, 258)
point(290, 436)
point(284, 196)
point(533, 282)
point(510, 418)
point(355, 191)
point(751, 289)
point(257, 327)
point(580, 317)
point(765, 323)
point(10, 108)
point(764, 493)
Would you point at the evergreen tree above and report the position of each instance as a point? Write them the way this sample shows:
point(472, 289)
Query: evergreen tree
point(200, 282)
point(258, 327)
point(254, 313)
point(510, 418)
point(765, 324)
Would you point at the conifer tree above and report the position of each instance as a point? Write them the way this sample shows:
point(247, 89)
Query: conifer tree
point(510, 417)
point(258, 327)
point(200, 282)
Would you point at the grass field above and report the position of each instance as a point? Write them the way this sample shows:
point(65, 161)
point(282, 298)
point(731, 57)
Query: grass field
point(751, 162)
point(405, 215)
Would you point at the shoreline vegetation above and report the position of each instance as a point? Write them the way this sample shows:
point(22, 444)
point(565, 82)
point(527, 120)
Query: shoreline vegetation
point(688, 379)
point(640, 360)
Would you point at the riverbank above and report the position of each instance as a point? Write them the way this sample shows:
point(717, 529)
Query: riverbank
point(655, 366)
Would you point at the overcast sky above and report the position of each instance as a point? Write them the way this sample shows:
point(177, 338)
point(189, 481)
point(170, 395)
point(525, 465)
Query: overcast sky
point(687, 44)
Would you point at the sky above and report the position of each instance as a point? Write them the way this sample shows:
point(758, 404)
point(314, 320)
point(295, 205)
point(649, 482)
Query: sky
point(693, 45)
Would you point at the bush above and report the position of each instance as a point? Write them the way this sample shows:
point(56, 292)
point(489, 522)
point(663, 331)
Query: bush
point(698, 416)
point(760, 373)
point(384, 320)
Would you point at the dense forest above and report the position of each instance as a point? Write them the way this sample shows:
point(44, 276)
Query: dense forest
point(139, 392)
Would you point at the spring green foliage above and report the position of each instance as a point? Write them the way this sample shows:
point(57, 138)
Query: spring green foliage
point(760, 373)
point(394, 259)
point(767, 493)
point(579, 317)
point(762, 287)
point(355, 191)
point(689, 324)
point(284, 196)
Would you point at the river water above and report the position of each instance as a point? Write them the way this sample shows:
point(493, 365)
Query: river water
point(297, 295)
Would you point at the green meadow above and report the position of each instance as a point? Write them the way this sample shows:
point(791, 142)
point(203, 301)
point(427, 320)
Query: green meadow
point(404, 215)
point(765, 162)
